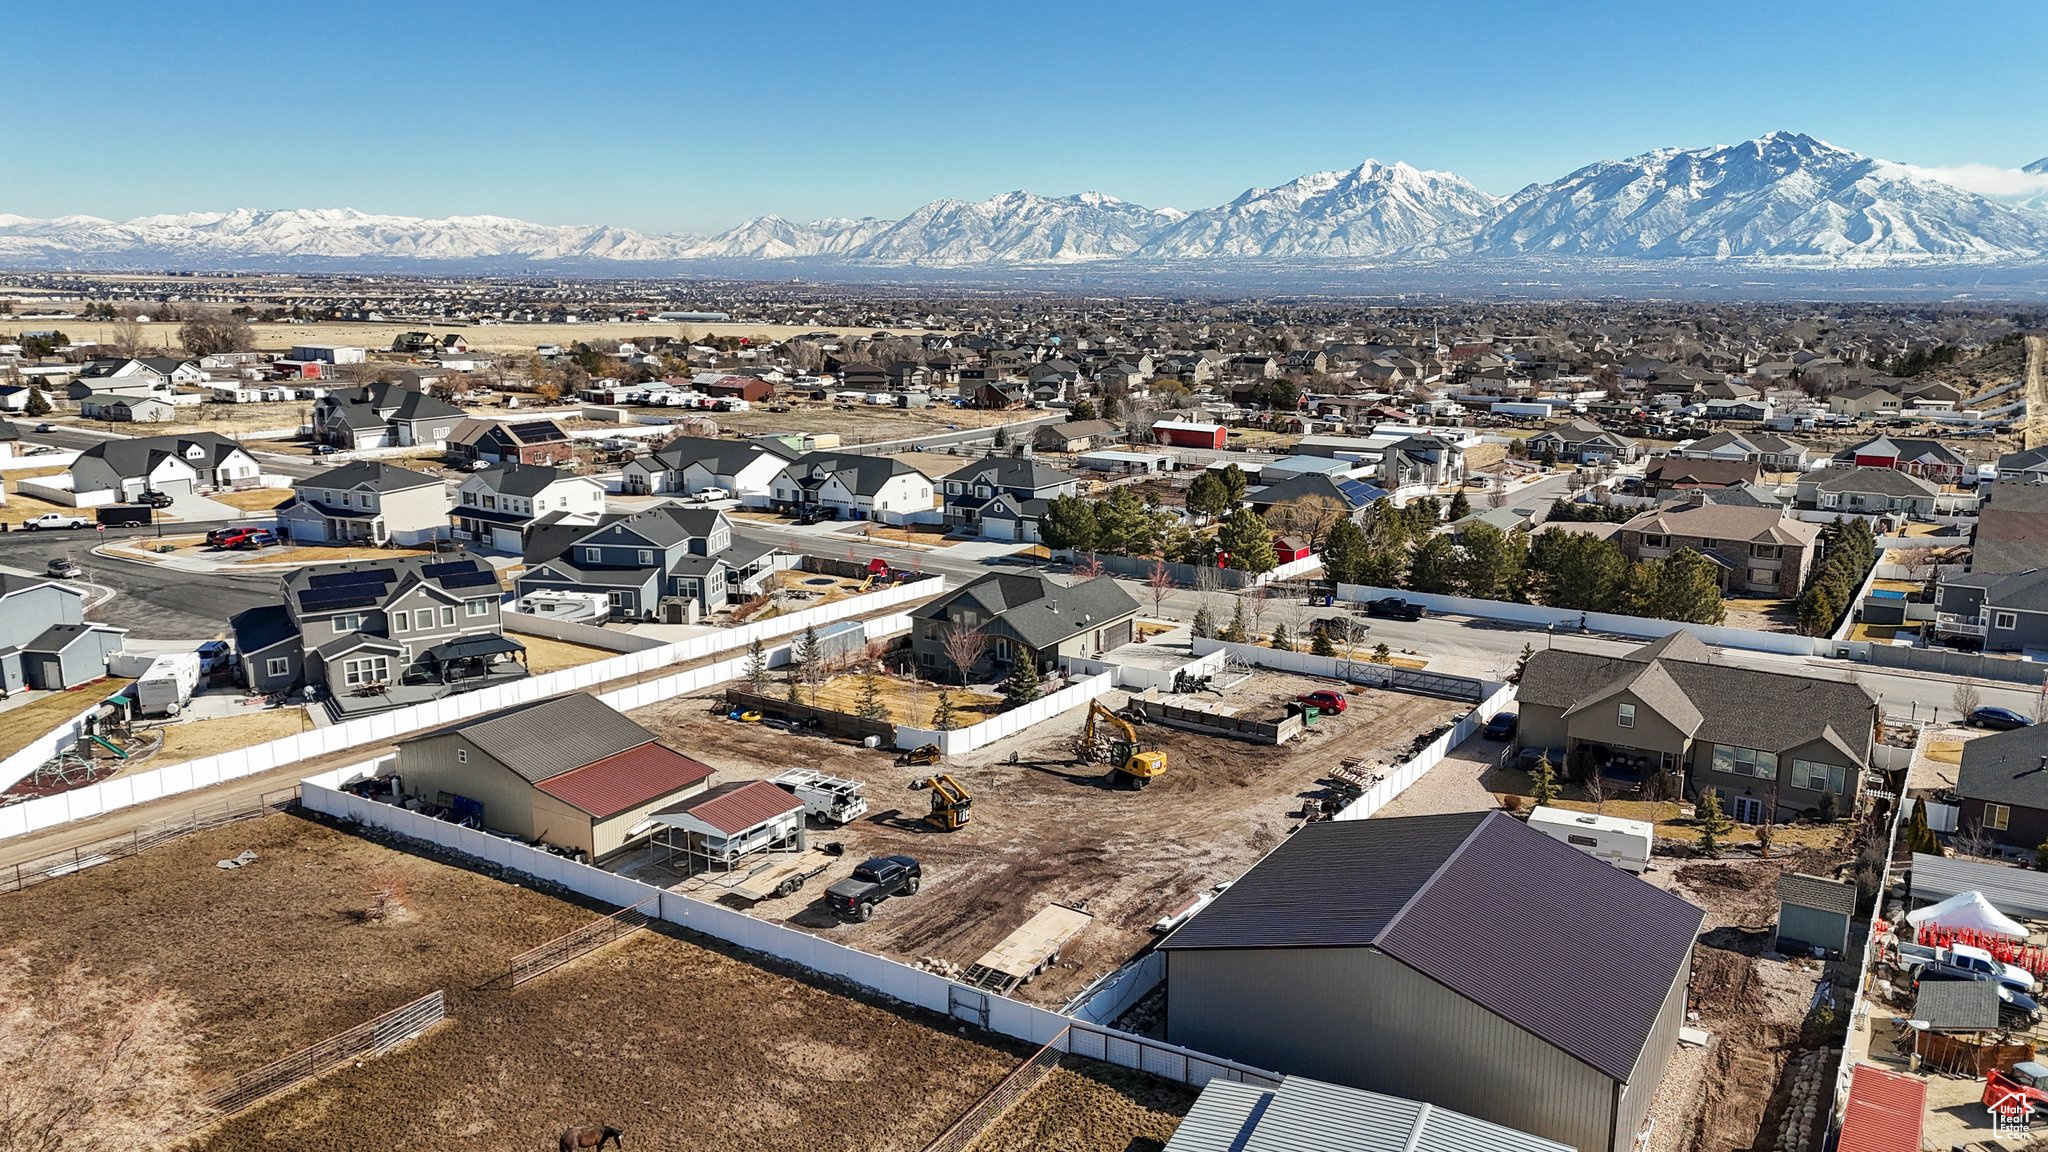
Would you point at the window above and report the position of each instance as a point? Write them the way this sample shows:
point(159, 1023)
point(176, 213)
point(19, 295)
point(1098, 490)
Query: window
point(1764, 551)
point(462, 755)
point(1581, 841)
point(618, 601)
point(1995, 817)
point(277, 666)
point(1626, 717)
point(1819, 777)
point(1655, 541)
point(448, 617)
point(490, 501)
point(469, 498)
point(2005, 620)
point(401, 621)
point(353, 622)
point(366, 670)
point(646, 556)
point(1746, 762)
point(475, 608)
point(593, 555)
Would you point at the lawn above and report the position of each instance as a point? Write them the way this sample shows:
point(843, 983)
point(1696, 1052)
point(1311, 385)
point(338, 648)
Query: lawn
point(908, 703)
point(548, 655)
point(922, 535)
point(46, 710)
point(1876, 633)
point(328, 554)
point(1668, 815)
point(196, 738)
point(252, 499)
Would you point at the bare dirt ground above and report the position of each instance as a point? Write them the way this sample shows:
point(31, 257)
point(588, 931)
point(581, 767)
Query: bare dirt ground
point(681, 1044)
point(1046, 829)
point(1087, 1106)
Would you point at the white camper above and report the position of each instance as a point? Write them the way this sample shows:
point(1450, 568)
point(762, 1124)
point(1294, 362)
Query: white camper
point(166, 686)
point(831, 799)
point(1622, 843)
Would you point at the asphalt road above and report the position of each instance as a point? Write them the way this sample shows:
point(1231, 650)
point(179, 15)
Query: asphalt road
point(152, 603)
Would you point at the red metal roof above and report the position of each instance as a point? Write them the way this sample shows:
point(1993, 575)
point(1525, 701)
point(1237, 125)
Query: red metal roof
point(626, 780)
point(1885, 1112)
point(734, 808)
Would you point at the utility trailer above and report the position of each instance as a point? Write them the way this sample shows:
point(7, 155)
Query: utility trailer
point(832, 799)
point(779, 876)
point(1031, 949)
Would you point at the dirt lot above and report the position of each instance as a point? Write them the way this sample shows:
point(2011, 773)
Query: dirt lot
point(681, 1045)
point(544, 654)
point(195, 738)
point(1087, 1106)
point(907, 706)
point(855, 424)
point(1046, 829)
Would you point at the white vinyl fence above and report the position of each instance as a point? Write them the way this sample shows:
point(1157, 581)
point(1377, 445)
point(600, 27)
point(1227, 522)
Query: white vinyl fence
point(39, 751)
point(1498, 698)
point(1538, 616)
point(1007, 723)
point(879, 975)
point(143, 787)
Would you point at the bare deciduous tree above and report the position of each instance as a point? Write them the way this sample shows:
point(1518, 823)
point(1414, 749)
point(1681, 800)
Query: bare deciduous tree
point(211, 330)
point(90, 1066)
point(1087, 567)
point(128, 337)
point(1159, 580)
point(1258, 600)
point(1966, 699)
point(1311, 516)
point(963, 646)
point(1595, 788)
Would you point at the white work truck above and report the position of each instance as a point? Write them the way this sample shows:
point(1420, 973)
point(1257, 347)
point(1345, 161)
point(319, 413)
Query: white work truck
point(832, 799)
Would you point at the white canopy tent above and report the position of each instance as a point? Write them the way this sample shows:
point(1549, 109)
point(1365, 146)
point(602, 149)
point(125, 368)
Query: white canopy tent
point(1967, 911)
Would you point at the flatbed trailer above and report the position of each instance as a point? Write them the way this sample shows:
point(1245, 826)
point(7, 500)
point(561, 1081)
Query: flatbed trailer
point(1031, 949)
point(779, 876)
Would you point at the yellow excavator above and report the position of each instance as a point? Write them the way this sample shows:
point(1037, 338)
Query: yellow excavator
point(951, 804)
point(1131, 763)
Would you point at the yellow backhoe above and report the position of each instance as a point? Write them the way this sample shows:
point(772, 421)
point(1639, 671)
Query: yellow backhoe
point(1131, 764)
point(951, 804)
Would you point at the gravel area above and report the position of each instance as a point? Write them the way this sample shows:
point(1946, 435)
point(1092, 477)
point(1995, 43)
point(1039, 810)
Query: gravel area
point(1452, 786)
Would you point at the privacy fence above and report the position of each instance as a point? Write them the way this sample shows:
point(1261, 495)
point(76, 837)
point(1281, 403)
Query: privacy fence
point(172, 779)
point(1536, 615)
point(1007, 723)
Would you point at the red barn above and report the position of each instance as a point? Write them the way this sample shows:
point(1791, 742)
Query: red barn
point(1290, 548)
point(752, 389)
point(1188, 434)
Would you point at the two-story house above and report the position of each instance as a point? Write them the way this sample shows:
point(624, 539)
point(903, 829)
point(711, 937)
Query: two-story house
point(1757, 551)
point(537, 442)
point(2029, 466)
point(384, 415)
point(1583, 442)
point(2005, 612)
point(1872, 491)
point(1930, 458)
point(1421, 460)
point(366, 502)
point(176, 465)
point(1763, 741)
point(1004, 497)
point(46, 643)
point(848, 486)
point(497, 507)
point(670, 563)
point(1767, 450)
point(2002, 788)
point(380, 633)
point(687, 465)
point(1022, 616)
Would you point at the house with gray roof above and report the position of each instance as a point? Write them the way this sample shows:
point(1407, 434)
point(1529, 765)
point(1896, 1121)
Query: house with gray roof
point(2012, 529)
point(1767, 450)
point(1024, 616)
point(671, 563)
point(2002, 787)
point(500, 507)
point(2029, 466)
point(1304, 1115)
point(46, 643)
point(687, 465)
point(851, 486)
point(1869, 491)
point(1763, 741)
point(366, 502)
point(177, 465)
point(1003, 497)
point(384, 415)
point(1378, 954)
point(2004, 612)
point(1075, 435)
point(1584, 442)
point(1755, 551)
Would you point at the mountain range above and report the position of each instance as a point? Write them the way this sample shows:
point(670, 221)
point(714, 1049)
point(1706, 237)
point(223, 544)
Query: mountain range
point(1781, 199)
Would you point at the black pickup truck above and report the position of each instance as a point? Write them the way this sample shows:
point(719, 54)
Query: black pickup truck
point(1395, 608)
point(855, 897)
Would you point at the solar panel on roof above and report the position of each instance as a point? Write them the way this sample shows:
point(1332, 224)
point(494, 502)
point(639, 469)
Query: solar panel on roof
point(469, 580)
point(447, 568)
point(351, 579)
point(332, 599)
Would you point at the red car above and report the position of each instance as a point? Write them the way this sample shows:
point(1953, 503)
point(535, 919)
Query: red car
point(1323, 700)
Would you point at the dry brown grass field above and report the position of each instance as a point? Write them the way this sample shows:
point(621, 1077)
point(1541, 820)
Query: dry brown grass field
point(483, 338)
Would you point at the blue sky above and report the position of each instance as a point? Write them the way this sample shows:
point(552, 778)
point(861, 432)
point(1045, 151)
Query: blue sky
point(691, 117)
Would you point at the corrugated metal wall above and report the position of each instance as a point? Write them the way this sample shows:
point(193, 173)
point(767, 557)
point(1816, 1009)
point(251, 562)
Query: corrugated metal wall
point(1633, 1108)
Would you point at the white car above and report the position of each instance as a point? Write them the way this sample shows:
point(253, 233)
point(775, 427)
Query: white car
point(55, 520)
point(709, 494)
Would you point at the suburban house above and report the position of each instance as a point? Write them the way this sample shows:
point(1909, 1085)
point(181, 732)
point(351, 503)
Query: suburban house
point(1875, 491)
point(538, 442)
point(848, 486)
point(2003, 612)
point(1756, 738)
point(1075, 436)
point(1354, 496)
point(1583, 442)
point(689, 464)
point(384, 415)
point(1189, 434)
point(1003, 497)
point(1759, 551)
point(1023, 616)
point(497, 507)
point(1865, 402)
point(669, 563)
point(2002, 787)
point(1436, 928)
point(177, 465)
point(1667, 474)
point(1768, 450)
point(148, 373)
point(45, 641)
point(124, 407)
point(2025, 467)
point(1304, 1115)
point(1424, 460)
point(1930, 458)
point(368, 628)
point(2012, 529)
point(570, 771)
point(366, 502)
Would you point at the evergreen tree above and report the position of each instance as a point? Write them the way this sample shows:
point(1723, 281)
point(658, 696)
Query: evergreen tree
point(1522, 664)
point(1068, 523)
point(1320, 643)
point(1248, 541)
point(1688, 589)
point(1281, 639)
point(871, 705)
point(1491, 562)
point(943, 717)
point(1713, 824)
point(1208, 496)
point(794, 695)
point(1637, 595)
point(1344, 551)
point(1082, 410)
point(1020, 687)
point(1543, 785)
point(1435, 566)
point(1386, 564)
point(1239, 629)
point(1204, 624)
point(1235, 484)
point(810, 661)
point(1381, 654)
point(1002, 435)
point(757, 667)
point(1919, 836)
point(37, 404)
point(1461, 507)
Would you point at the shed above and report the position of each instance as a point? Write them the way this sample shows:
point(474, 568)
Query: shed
point(1957, 1005)
point(723, 824)
point(1303, 1115)
point(1885, 1113)
point(1189, 434)
point(1814, 912)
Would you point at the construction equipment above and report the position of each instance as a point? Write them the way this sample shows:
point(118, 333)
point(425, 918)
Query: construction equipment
point(951, 803)
point(1131, 763)
point(921, 755)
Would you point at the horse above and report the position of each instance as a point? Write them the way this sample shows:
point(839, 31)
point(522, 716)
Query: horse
point(590, 1136)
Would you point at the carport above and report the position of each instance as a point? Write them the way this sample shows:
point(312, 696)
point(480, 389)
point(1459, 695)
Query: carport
point(719, 827)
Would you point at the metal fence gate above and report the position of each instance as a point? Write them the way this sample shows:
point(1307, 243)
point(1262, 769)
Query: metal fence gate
point(969, 1004)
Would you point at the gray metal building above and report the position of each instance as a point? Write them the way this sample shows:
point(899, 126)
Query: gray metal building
point(1304, 1115)
point(1465, 961)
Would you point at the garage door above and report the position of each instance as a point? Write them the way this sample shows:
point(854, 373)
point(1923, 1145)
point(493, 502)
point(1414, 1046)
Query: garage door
point(506, 540)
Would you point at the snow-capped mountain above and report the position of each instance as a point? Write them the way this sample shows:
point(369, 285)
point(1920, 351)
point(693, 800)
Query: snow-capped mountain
point(1782, 195)
point(1782, 198)
point(1373, 210)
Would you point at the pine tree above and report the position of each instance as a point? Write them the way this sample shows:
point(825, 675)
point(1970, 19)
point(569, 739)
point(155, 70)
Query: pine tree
point(1713, 824)
point(810, 661)
point(757, 667)
point(944, 718)
point(795, 694)
point(1249, 541)
point(1460, 508)
point(38, 404)
point(1239, 628)
point(1020, 687)
point(1321, 644)
point(1281, 639)
point(1204, 624)
point(1381, 654)
point(1522, 664)
point(1543, 786)
point(1919, 837)
point(871, 706)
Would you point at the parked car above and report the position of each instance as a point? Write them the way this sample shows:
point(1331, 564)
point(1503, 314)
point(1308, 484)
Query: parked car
point(64, 568)
point(1395, 608)
point(46, 426)
point(323, 449)
point(855, 897)
point(1501, 727)
point(1992, 716)
point(214, 656)
point(56, 520)
point(1323, 700)
point(256, 538)
point(154, 499)
point(709, 494)
point(226, 537)
point(1963, 962)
